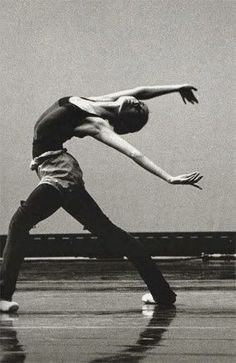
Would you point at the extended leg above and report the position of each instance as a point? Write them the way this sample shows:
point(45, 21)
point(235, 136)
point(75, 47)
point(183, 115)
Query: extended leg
point(84, 209)
point(42, 202)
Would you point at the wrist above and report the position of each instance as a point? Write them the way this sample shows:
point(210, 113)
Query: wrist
point(175, 88)
point(170, 179)
point(180, 86)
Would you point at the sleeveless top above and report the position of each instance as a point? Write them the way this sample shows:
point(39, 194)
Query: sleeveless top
point(56, 125)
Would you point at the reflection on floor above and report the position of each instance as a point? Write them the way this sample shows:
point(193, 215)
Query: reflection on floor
point(91, 312)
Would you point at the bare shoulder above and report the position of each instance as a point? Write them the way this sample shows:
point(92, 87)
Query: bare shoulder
point(73, 99)
point(90, 126)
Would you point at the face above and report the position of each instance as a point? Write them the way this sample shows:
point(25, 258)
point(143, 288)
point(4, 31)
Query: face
point(136, 108)
point(132, 117)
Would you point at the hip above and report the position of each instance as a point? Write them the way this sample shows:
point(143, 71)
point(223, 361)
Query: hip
point(59, 169)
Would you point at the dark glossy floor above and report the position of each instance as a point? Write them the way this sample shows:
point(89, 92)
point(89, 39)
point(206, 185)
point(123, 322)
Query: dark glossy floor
point(91, 311)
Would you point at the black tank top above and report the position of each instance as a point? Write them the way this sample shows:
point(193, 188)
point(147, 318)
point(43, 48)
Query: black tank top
point(56, 125)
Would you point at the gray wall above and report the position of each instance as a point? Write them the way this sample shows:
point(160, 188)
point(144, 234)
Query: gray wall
point(54, 48)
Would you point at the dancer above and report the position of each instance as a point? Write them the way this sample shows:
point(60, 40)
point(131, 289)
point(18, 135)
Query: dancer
point(103, 118)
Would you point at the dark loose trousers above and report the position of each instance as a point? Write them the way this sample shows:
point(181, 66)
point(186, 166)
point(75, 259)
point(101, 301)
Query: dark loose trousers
point(42, 203)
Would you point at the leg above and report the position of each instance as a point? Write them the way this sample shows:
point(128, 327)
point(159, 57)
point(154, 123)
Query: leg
point(42, 202)
point(83, 208)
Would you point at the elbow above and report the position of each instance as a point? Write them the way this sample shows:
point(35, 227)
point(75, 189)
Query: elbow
point(137, 157)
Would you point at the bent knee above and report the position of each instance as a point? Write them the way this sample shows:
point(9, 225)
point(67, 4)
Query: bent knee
point(98, 226)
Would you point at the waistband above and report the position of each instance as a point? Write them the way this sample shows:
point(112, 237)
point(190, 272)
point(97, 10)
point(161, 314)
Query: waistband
point(47, 155)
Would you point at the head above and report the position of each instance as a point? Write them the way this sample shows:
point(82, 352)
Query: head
point(131, 118)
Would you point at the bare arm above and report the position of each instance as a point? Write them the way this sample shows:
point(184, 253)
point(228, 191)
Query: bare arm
point(108, 137)
point(148, 92)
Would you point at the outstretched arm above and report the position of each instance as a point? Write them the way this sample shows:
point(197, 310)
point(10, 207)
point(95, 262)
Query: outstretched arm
point(110, 138)
point(148, 92)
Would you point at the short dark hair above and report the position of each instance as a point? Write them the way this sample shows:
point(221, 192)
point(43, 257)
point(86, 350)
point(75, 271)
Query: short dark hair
point(128, 123)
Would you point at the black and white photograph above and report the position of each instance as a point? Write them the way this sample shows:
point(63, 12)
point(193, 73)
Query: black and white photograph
point(117, 174)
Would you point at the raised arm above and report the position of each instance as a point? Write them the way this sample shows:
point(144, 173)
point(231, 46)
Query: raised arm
point(148, 92)
point(108, 137)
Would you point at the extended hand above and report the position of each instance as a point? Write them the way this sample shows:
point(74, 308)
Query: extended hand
point(191, 179)
point(187, 94)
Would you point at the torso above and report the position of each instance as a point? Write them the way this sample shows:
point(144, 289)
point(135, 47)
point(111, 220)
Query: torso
point(58, 123)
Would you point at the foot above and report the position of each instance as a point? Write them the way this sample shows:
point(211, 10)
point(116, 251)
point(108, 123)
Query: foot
point(148, 299)
point(8, 306)
point(164, 300)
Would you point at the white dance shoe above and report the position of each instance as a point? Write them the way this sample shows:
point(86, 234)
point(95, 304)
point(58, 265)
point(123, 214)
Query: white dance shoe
point(148, 299)
point(165, 299)
point(8, 306)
